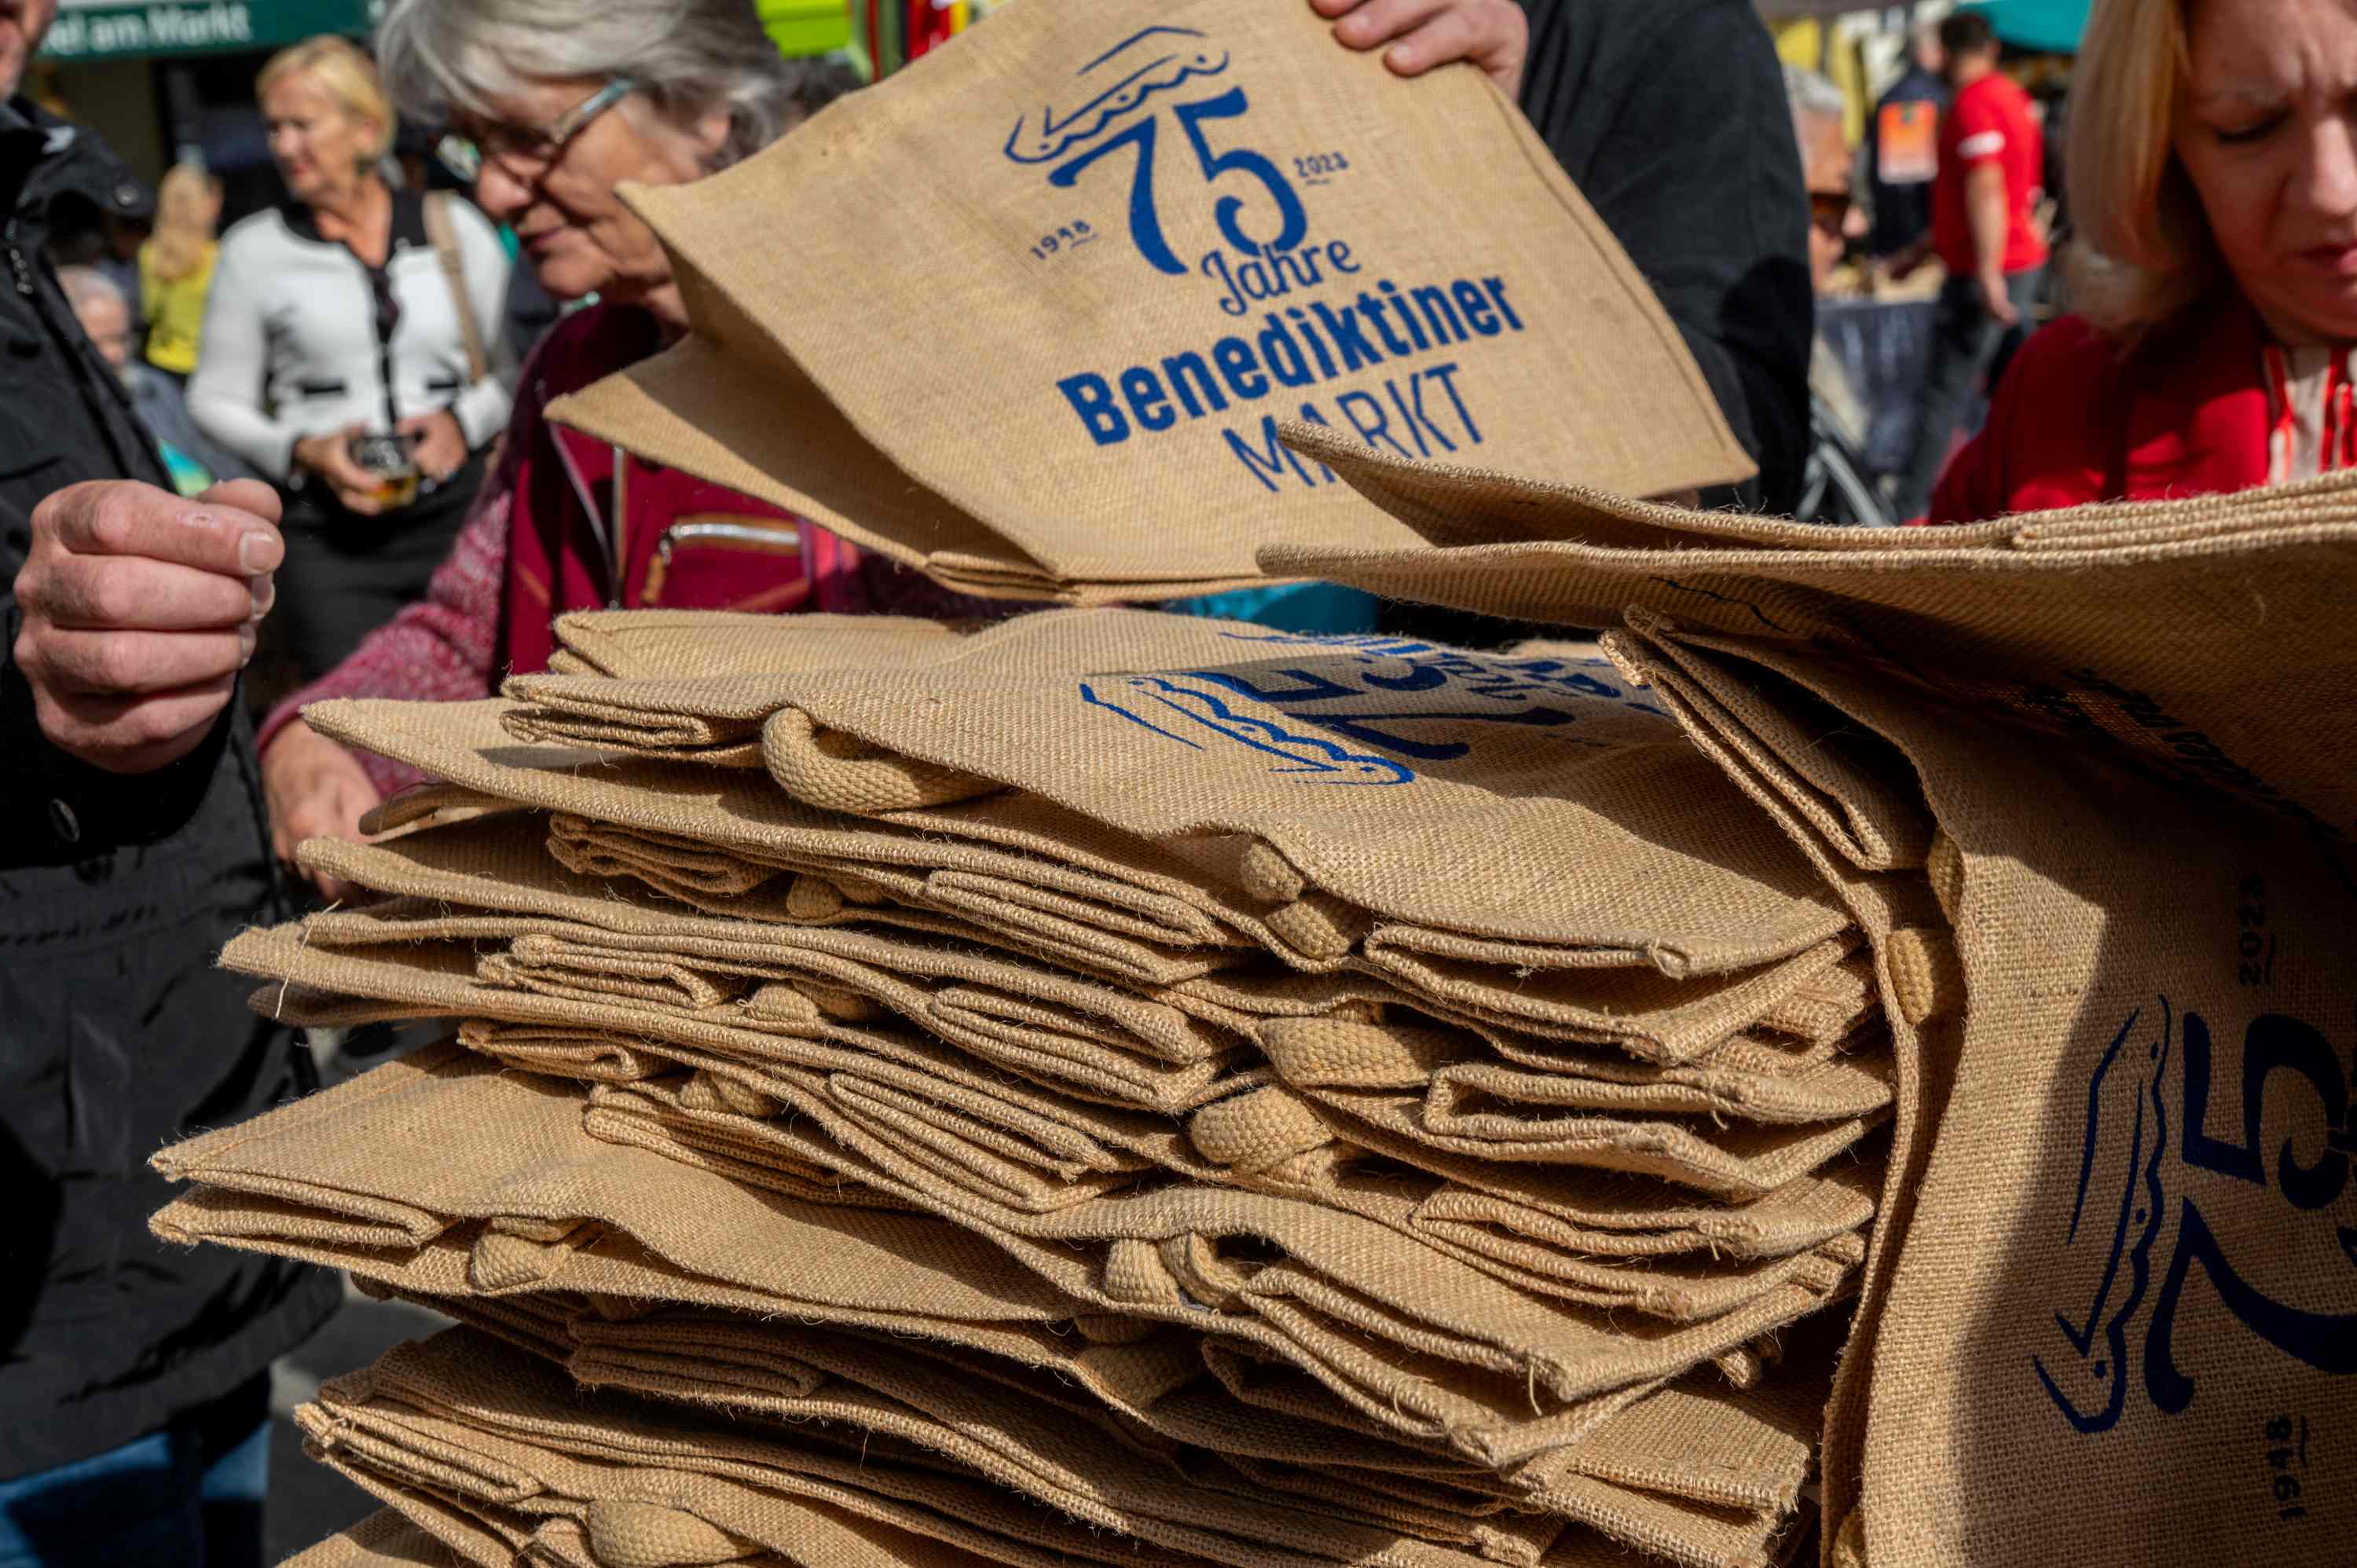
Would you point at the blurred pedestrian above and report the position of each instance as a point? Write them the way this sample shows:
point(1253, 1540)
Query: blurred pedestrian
point(175, 267)
point(1985, 232)
point(1836, 487)
point(134, 1406)
point(558, 103)
point(1902, 147)
point(2213, 192)
point(196, 463)
point(354, 352)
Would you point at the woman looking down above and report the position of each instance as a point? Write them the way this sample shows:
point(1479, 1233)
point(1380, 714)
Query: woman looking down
point(2213, 184)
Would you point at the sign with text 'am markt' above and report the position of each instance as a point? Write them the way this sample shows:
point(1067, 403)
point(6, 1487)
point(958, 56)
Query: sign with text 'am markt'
point(107, 29)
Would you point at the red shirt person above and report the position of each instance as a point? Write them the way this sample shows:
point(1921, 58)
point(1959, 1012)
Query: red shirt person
point(1992, 156)
point(1989, 127)
point(2216, 272)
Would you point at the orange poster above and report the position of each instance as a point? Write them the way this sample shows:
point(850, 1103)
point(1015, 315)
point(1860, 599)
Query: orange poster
point(1907, 143)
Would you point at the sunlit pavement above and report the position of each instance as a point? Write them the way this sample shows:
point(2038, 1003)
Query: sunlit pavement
point(309, 1502)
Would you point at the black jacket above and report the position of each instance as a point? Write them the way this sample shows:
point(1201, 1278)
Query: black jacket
point(1669, 115)
point(117, 1034)
point(1903, 213)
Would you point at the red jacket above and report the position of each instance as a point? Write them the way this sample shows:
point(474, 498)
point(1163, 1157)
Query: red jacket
point(2075, 420)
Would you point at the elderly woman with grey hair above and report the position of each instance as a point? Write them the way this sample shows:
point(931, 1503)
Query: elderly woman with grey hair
point(559, 101)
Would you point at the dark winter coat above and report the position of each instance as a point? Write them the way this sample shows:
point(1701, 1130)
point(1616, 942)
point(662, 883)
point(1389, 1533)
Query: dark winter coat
point(117, 1034)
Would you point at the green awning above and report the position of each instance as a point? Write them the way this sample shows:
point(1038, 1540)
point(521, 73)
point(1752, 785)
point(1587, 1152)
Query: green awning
point(109, 29)
point(2042, 26)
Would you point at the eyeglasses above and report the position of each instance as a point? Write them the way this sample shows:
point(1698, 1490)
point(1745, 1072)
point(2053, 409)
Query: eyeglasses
point(1829, 210)
point(528, 152)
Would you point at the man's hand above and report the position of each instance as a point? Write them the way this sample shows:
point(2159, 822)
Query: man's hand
point(329, 456)
point(436, 445)
point(1996, 301)
point(1422, 34)
point(139, 610)
point(316, 790)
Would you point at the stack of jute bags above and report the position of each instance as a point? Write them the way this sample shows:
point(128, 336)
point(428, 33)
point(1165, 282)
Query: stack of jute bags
point(2112, 1304)
point(1105, 1083)
point(1431, 1049)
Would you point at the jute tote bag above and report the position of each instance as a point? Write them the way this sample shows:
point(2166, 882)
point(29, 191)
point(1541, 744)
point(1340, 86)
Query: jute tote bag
point(1173, 224)
point(2075, 624)
point(2127, 1259)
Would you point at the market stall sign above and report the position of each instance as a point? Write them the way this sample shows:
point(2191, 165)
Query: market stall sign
point(107, 29)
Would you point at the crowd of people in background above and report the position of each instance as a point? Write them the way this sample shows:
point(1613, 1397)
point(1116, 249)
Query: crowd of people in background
point(315, 421)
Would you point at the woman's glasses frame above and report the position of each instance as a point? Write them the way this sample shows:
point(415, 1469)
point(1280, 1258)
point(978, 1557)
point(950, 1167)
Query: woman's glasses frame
point(526, 153)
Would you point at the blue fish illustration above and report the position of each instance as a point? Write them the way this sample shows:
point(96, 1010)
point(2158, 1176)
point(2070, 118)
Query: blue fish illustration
point(1167, 65)
point(2091, 1391)
point(1186, 714)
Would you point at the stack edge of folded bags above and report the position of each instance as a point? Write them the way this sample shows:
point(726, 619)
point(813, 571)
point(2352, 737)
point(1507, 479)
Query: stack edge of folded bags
point(1098, 1085)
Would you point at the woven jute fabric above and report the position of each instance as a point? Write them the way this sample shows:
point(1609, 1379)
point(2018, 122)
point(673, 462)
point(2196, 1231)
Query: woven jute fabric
point(2115, 1264)
point(1107, 881)
point(650, 643)
point(894, 1114)
point(457, 1421)
point(1700, 1439)
point(860, 1070)
point(2069, 626)
point(1156, 270)
point(442, 1147)
point(1064, 1030)
point(1898, 910)
point(1090, 917)
point(1364, 765)
point(1495, 1372)
point(384, 1539)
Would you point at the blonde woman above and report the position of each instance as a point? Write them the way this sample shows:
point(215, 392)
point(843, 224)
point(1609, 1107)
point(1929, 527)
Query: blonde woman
point(175, 267)
point(2213, 184)
point(352, 359)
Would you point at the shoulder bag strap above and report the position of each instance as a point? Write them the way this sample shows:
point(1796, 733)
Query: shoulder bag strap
point(445, 238)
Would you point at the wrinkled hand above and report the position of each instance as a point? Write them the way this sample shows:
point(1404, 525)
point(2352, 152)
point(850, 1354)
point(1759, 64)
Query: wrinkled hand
point(436, 445)
point(329, 456)
point(1996, 302)
point(316, 790)
point(1423, 34)
point(139, 608)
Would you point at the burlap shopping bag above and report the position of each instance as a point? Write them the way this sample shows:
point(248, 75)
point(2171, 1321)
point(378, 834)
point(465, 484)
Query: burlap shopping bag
point(1353, 760)
point(1053, 1443)
point(1065, 1030)
point(384, 1539)
point(448, 1415)
point(2072, 625)
point(957, 1120)
point(2081, 1149)
point(908, 1118)
point(1005, 835)
point(1178, 224)
point(1673, 828)
point(531, 1433)
point(646, 644)
point(1469, 1093)
point(440, 1145)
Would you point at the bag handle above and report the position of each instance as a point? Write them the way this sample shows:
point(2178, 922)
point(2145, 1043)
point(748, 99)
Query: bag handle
point(444, 236)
